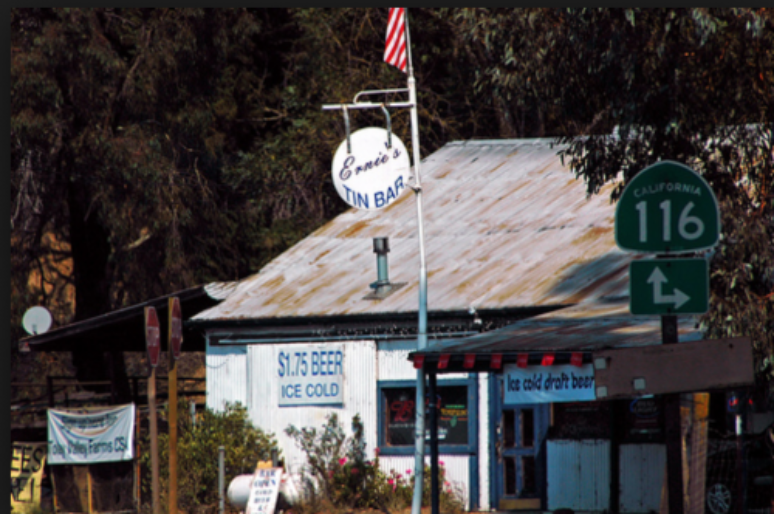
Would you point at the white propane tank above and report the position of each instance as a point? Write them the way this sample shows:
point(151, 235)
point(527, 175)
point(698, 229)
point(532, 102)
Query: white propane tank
point(239, 491)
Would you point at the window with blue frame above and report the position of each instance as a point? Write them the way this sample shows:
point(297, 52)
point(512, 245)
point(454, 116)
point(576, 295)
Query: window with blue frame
point(457, 402)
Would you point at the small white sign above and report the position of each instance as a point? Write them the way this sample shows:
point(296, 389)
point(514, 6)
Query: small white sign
point(375, 173)
point(310, 374)
point(264, 490)
point(547, 384)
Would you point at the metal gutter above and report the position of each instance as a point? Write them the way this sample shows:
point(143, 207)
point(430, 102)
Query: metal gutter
point(355, 321)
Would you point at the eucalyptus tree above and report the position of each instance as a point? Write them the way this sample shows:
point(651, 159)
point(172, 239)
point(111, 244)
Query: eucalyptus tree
point(122, 122)
point(156, 149)
point(626, 87)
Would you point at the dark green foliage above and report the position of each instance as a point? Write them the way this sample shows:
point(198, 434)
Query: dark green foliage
point(627, 87)
point(164, 148)
point(197, 455)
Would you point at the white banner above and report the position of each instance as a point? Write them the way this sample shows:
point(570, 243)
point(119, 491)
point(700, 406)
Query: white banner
point(98, 436)
point(310, 374)
point(548, 384)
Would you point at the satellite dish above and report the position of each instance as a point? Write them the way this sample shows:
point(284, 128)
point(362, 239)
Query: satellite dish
point(36, 320)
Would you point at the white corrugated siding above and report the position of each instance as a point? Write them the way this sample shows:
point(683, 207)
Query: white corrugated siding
point(359, 397)
point(578, 475)
point(393, 360)
point(456, 467)
point(483, 442)
point(226, 376)
point(642, 475)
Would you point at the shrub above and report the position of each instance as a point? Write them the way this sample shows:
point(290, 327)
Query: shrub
point(197, 455)
point(342, 478)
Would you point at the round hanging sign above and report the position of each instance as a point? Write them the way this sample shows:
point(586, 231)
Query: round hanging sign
point(373, 172)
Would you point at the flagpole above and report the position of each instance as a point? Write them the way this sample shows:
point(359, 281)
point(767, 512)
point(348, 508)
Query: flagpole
point(419, 435)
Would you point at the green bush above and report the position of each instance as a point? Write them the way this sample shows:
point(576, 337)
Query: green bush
point(197, 456)
point(340, 477)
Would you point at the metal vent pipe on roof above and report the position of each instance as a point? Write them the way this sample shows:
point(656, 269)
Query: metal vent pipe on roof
point(381, 249)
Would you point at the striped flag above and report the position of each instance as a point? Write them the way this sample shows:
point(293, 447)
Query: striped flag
point(395, 45)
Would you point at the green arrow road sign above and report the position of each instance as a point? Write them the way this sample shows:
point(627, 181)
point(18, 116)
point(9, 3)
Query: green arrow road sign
point(669, 286)
point(667, 208)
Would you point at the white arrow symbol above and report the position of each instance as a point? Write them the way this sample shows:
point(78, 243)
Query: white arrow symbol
point(657, 278)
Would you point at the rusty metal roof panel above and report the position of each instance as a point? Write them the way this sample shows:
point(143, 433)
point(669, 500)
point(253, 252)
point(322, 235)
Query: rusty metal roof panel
point(589, 326)
point(506, 226)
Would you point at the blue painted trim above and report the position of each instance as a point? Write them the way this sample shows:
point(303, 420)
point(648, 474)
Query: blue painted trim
point(495, 412)
point(473, 485)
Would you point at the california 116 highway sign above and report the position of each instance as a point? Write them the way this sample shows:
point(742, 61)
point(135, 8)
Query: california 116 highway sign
point(667, 208)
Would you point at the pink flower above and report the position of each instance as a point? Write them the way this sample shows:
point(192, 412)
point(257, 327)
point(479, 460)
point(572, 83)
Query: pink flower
point(440, 463)
point(447, 484)
point(390, 481)
point(408, 471)
point(376, 451)
point(369, 463)
point(342, 461)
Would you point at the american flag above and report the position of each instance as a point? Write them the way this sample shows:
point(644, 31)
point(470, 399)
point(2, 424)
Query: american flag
point(395, 45)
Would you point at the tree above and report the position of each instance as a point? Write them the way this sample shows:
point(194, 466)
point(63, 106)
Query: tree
point(157, 149)
point(626, 87)
point(120, 123)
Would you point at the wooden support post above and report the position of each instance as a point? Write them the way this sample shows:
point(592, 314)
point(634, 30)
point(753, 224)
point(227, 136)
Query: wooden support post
point(172, 435)
point(50, 381)
point(433, 404)
point(89, 491)
point(674, 445)
point(154, 442)
point(136, 391)
point(137, 488)
point(174, 340)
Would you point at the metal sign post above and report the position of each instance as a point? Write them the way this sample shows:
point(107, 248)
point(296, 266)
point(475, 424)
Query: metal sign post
point(668, 208)
point(419, 435)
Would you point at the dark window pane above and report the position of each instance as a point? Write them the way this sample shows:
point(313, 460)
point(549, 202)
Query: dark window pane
point(400, 415)
point(527, 428)
point(509, 470)
point(528, 476)
point(509, 429)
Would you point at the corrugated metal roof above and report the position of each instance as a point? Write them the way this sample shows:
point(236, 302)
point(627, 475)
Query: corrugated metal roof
point(506, 225)
point(586, 327)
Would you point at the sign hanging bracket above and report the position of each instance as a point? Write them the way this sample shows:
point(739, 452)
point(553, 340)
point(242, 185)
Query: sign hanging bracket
point(345, 109)
point(389, 126)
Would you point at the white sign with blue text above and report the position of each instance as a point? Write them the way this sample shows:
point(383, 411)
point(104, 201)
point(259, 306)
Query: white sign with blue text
point(264, 489)
point(371, 169)
point(104, 435)
point(548, 384)
point(310, 374)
